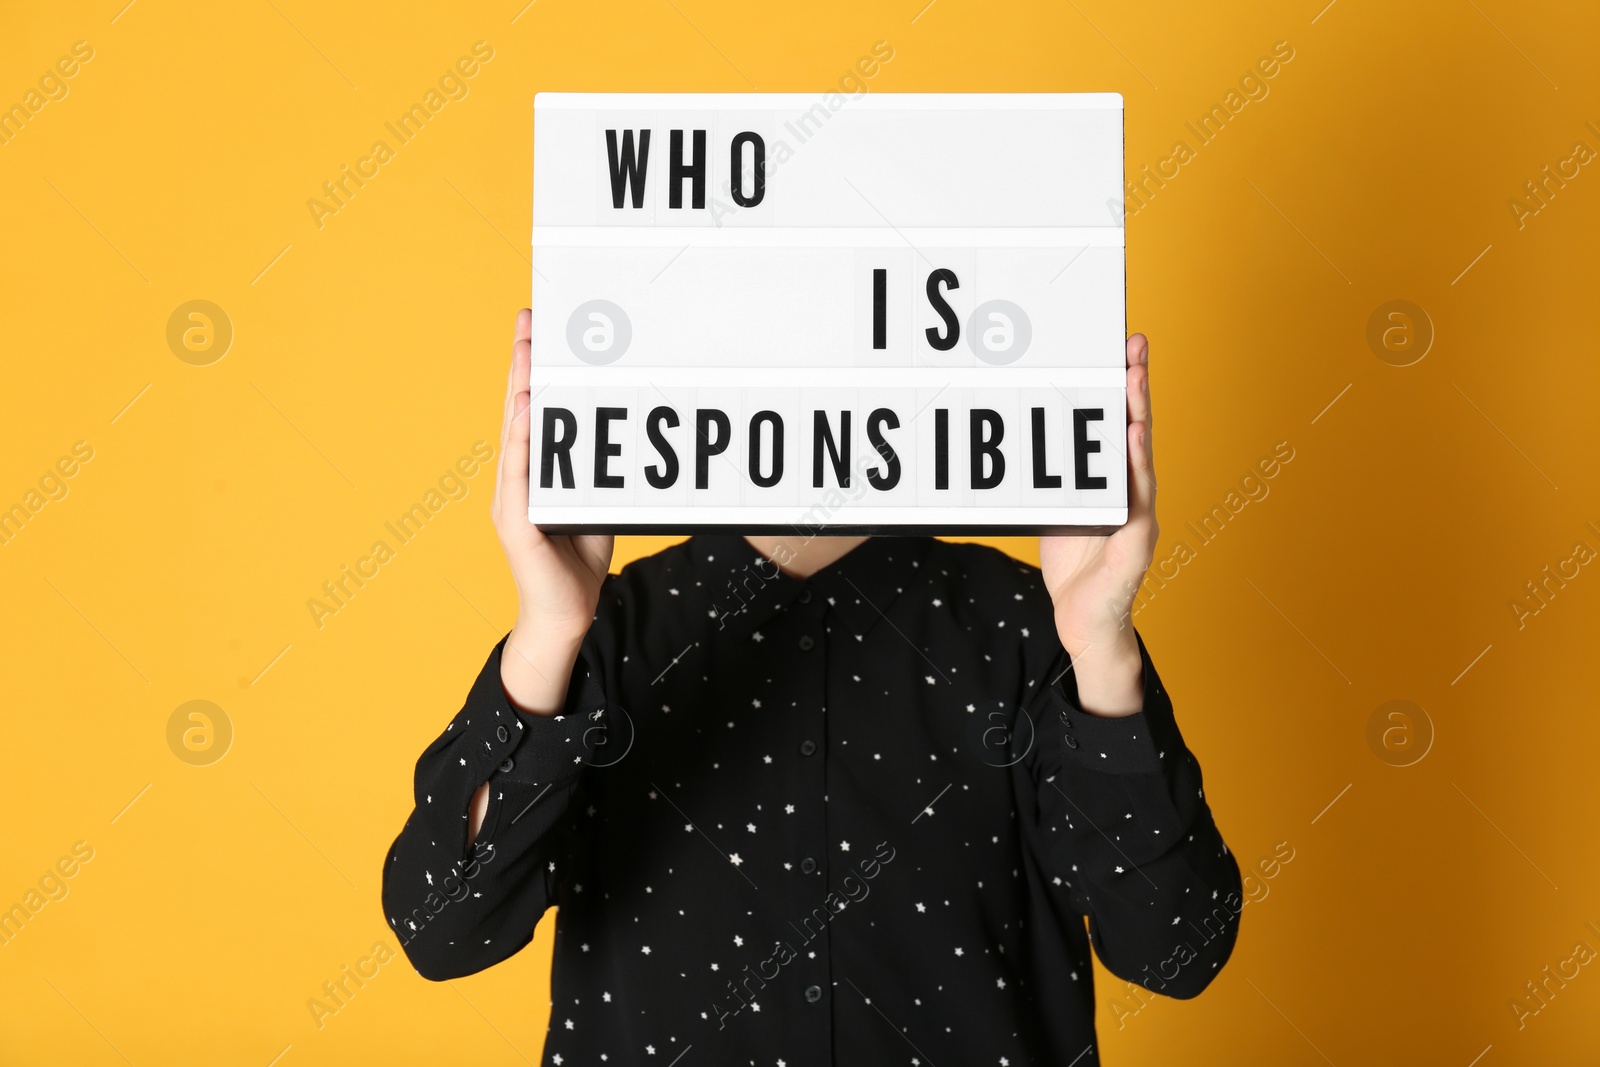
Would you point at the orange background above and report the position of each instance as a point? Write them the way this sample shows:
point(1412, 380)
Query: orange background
point(369, 354)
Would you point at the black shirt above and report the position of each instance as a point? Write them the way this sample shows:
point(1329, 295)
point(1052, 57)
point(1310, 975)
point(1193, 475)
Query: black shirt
point(856, 819)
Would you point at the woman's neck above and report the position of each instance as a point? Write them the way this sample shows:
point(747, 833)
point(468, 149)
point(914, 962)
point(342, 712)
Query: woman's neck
point(801, 557)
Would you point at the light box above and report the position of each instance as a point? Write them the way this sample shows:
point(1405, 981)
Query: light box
point(784, 312)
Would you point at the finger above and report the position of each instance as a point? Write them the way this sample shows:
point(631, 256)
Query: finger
point(1139, 395)
point(520, 330)
point(1141, 474)
point(515, 459)
point(500, 457)
point(1139, 361)
point(522, 334)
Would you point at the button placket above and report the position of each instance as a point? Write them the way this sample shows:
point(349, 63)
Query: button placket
point(813, 698)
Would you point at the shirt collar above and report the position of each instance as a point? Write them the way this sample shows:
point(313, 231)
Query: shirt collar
point(747, 589)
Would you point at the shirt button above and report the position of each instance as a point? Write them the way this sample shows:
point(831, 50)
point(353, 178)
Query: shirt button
point(813, 994)
point(808, 866)
point(501, 735)
point(805, 596)
point(1072, 742)
point(506, 765)
point(808, 748)
point(806, 643)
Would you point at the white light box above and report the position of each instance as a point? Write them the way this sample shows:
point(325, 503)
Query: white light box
point(780, 313)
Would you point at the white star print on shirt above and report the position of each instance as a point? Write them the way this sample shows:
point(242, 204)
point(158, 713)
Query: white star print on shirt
point(870, 720)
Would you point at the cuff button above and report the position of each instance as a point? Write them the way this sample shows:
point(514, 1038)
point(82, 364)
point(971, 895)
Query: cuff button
point(506, 765)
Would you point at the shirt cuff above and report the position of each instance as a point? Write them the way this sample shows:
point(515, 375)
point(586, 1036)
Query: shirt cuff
point(520, 746)
point(1127, 744)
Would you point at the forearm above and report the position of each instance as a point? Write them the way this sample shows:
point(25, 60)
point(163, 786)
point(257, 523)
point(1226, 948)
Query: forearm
point(536, 667)
point(1128, 826)
point(534, 670)
point(1110, 679)
point(476, 863)
point(1161, 890)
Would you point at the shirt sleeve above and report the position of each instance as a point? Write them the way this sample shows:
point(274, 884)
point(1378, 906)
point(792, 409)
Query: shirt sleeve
point(459, 906)
point(1124, 826)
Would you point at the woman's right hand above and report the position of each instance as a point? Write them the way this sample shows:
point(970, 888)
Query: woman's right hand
point(558, 577)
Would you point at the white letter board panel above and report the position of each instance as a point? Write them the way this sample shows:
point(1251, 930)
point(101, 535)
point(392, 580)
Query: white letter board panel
point(785, 312)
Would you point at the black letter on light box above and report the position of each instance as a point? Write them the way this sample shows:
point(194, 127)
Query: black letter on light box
point(952, 325)
point(985, 421)
point(695, 172)
point(708, 444)
point(776, 421)
point(941, 448)
point(604, 449)
point(1082, 446)
point(880, 308)
point(1042, 479)
point(875, 422)
point(736, 171)
point(553, 448)
point(664, 476)
point(626, 170)
point(822, 436)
